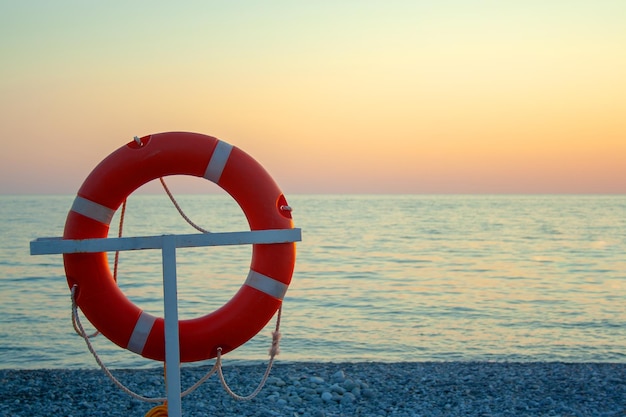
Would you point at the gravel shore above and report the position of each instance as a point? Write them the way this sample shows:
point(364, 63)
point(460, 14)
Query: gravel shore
point(334, 389)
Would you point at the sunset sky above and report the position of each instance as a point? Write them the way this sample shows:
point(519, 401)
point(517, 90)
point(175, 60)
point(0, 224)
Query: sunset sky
point(451, 96)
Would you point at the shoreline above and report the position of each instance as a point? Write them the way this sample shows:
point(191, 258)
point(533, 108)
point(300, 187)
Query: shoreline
point(322, 389)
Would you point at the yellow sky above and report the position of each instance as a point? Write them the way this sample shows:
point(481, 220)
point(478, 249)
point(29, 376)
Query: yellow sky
point(331, 97)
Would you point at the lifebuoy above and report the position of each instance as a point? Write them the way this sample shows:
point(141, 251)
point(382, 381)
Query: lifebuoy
point(179, 153)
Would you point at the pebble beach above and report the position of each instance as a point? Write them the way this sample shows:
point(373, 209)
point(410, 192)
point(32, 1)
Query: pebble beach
point(333, 389)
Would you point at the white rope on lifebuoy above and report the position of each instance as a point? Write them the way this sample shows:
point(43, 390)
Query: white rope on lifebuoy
point(180, 210)
point(217, 367)
point(274, 350)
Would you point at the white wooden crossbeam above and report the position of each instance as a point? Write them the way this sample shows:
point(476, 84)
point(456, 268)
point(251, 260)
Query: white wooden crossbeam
point(54, 245)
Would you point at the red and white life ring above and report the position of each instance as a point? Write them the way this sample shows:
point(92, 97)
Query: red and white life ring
point(179, 153)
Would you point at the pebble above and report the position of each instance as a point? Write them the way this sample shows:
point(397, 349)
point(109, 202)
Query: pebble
point(335, 389)
point(339, 376)
point(316, 380)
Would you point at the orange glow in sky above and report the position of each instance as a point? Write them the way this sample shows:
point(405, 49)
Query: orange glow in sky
point(331, 97)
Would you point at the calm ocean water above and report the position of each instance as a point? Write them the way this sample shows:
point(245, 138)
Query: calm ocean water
point(385, 278)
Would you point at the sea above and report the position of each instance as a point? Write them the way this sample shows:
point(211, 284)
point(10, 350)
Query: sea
point(388, 278)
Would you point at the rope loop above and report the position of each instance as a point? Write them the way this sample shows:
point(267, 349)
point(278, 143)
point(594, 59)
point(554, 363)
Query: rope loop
point(81, 331)
point(217, 367)
point(273, 352)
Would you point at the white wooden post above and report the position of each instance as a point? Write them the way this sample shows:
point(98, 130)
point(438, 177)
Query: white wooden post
point(170, 309)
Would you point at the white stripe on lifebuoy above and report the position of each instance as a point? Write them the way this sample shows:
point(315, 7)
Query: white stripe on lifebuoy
point(218, 161)
point(266, 284)
point(142, 330)
point(93, 210)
